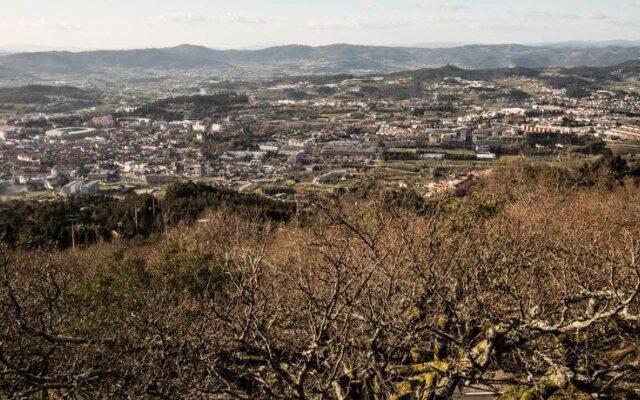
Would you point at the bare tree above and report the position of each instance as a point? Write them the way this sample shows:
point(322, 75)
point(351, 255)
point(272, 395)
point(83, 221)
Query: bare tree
point(529, 291)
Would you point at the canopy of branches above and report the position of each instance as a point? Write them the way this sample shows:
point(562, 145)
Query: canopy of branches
point(528, 283)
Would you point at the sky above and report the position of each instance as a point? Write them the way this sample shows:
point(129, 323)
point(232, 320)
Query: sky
point(241, 24)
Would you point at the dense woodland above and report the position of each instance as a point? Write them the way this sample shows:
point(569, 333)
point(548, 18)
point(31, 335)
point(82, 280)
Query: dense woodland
point(32, 224)
point(43, 94)
point(192, 107)
point(527, 281)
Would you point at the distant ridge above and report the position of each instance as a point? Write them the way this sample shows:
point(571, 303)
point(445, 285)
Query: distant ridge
point(591, 44)
point(337, 58)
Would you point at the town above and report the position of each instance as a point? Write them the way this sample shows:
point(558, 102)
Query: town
point(277, 137)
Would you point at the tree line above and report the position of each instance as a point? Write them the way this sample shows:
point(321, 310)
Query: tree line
point(89, 219)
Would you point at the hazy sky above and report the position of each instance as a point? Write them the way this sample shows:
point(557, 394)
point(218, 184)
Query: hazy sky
point(84, 24)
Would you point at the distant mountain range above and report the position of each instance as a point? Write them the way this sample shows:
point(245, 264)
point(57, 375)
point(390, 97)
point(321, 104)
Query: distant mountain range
point(300, 60)
point(586, 44)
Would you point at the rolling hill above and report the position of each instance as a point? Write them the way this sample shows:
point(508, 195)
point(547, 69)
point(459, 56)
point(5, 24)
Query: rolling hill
point(339, 58)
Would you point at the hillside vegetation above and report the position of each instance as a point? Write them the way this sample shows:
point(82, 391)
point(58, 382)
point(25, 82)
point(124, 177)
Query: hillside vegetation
point(33, 224)
point(337, 58)
point(529, 282)
point(42, 94)
point(192, 107)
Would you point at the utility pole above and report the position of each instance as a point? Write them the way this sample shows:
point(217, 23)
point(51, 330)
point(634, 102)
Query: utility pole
point(73, 220)
point(73, 236)
point(295, 197)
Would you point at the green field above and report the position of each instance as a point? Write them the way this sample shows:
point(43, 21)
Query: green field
point(25, 196)
point(624, 148)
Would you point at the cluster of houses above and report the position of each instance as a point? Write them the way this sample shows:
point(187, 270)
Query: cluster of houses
point(318, 141)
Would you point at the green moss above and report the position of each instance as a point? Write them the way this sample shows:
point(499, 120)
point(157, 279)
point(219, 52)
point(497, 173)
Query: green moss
point(413, 314)
point(421, 368)
point(451, 206)
point(571, 396)
point(199, 274)
point(404, 390)
point(488, 209)
point(416, 355)
point(548, 387)
point(120, 281)
point(430, 383)
point(516, 393)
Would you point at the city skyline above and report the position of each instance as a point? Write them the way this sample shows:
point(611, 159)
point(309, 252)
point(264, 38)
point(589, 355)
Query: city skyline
point(116, 24)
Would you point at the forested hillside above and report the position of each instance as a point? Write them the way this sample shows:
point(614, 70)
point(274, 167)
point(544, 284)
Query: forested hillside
point(32, 224)
point(43, 94)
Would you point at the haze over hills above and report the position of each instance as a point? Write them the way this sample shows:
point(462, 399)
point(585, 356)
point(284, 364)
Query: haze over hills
point(299, 59)
point(592, 44)
point(583, 79)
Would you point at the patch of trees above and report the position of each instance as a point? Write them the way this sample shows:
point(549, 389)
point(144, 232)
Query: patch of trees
point(575, 86)
point(293, 94)
point(607, 171)
point(213, 100)
point(591, 146)
point(314, 79)
point(611, 168)
point(460, 156)
point(199, 106)
point(442, 107)
point(327, 90)
point(449, 97)
point(42, 94)
point(30, 224)
point(188, 201)
point(430, 74)
point(393, 154)
point(606, 74)
point(518, 95)
point(402, 92)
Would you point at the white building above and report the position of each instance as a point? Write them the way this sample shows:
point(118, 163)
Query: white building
point(72, 188)
point(79, 187)
point(199, 127)
point(90, 188)
point(269, 147)
point(71, 132)
point(330, 177)
point(432, 156)
point(132, 166)
point(485, 156)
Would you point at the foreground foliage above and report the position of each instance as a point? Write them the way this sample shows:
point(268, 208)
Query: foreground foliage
point(529, 283)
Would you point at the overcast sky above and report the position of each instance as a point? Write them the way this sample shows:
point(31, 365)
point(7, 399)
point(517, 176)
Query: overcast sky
point(91, 24)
